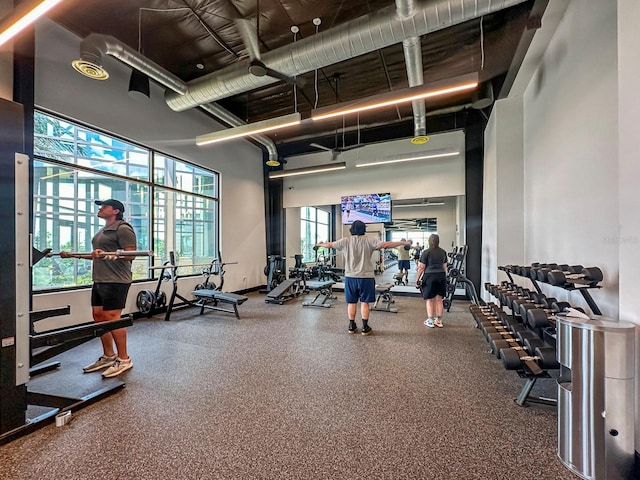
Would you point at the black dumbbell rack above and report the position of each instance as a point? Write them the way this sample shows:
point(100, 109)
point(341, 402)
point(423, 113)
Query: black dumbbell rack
point(583, 288)
point(455, 272)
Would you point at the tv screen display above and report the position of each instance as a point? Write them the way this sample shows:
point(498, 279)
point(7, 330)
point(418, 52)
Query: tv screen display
point(369, 208)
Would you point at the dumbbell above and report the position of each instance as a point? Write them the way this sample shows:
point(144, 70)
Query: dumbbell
point(500, 327)
point(527, 340)
point(541, 274)
point(588, 276)
point(538, 301)
point(542, 358)
point(538, 318)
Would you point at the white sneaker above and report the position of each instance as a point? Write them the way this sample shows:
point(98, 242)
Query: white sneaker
point(102, 362)
point(118, 367)
point(438, 323)
point(429, 322)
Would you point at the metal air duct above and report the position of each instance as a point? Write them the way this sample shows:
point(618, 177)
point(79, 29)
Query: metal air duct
point(413, 60)
point(95, 45)
point(357, 37)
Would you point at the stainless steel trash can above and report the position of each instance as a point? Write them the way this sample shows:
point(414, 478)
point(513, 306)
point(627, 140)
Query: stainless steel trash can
point(596, 413)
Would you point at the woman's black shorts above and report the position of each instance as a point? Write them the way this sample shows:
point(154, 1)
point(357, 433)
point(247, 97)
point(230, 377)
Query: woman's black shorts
point(435, 284)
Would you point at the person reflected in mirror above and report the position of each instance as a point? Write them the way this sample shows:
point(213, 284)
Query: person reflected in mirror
point(417, 251)
point(403, 260)
point(432, 280)
point(359, 275)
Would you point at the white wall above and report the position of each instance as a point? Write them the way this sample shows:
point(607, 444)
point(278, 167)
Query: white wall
point(569, 156)
point(570, 149)
point(107, 106)
point(581, 117)
point(629, 172)
point(440, 177)
point(503, 213)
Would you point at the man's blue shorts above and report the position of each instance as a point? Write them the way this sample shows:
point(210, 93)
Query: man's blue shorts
point(404, 265)
point(363, 289)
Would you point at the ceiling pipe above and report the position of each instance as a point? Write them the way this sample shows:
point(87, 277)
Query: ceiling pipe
point(351, 39)
point(96, 45)
point(413, 61)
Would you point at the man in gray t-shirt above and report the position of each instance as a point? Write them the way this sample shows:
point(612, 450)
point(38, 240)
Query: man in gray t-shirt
point(359, 279)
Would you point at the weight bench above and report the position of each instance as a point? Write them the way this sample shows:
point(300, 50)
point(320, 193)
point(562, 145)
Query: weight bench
point(383, 293)
point(324, 292)
point(283, 291)
point(205, 296)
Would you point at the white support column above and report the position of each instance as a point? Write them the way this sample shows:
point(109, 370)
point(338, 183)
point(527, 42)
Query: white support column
point(629, 173)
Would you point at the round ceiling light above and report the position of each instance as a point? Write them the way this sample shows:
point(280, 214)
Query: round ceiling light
point(90, 69)
point(420, 140)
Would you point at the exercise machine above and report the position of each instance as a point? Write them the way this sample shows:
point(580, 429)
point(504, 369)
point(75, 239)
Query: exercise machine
point(324, 293)
point(210, 296)
point(275, 272)
point(384, 299)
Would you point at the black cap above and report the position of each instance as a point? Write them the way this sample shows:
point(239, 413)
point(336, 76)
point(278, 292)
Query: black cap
point(113, 203)
point(358, 228)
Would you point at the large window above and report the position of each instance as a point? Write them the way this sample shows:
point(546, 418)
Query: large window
point(175, 210)
point(314, 228)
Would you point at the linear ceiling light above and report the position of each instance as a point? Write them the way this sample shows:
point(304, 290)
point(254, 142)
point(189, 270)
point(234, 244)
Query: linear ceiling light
point(427, 90)
point(24, 15)
point(307, 170)
point(428, 204)
point(409, 157)
point(249, 129)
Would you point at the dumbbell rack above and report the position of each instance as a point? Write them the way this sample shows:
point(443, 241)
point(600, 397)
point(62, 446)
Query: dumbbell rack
point(494, 324)
point(455, 273)
point(583, 288)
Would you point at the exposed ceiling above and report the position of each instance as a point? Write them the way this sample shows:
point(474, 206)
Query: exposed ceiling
point(192, 39)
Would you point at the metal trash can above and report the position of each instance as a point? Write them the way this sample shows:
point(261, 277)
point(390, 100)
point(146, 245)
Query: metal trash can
point(596, 412)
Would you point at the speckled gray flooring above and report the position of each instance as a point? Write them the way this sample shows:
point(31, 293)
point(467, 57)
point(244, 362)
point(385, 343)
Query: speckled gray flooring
point(286, 393)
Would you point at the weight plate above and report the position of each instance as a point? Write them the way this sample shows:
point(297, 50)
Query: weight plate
point(145, 301)
point(446, 303)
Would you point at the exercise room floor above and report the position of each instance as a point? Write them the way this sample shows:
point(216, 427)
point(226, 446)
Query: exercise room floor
point(286, 393)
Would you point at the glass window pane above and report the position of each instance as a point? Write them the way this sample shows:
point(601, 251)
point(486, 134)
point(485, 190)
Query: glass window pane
point(323, 217)
point(314, 228)
point(65, 218)
point(99, 166)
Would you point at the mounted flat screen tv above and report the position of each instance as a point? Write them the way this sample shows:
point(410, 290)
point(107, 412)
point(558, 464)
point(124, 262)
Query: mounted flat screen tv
point(369, 208)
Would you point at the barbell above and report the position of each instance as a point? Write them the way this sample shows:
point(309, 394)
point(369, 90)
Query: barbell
point(210, 264)
point(117, 253)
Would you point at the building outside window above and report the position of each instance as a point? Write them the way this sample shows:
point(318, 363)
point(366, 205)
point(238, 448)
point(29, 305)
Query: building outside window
point(175, 209)
point(314, 228)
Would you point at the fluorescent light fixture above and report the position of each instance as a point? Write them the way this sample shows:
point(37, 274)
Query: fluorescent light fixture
point(249, 129)
point(24, 15)
point(307, 170)
point(409, 157)
point(427, 90)
point(428, 204)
